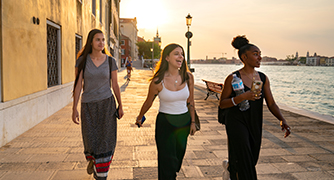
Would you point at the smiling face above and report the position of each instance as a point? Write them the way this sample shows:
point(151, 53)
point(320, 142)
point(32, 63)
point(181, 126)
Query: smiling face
point(175, 58)
point(98, 42)
point(252, 57)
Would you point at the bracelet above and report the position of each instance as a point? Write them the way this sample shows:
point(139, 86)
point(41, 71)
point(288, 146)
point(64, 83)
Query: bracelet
point(192, 122)
point(233, 101)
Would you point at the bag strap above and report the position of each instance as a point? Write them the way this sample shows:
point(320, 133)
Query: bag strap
point(237, 73)
point(262, 77)
point(110, 65)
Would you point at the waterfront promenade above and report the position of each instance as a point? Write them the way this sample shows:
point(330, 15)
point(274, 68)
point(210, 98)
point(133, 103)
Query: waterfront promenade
point(53, 149)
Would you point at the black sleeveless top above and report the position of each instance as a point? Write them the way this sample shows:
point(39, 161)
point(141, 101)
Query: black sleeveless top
point(252, 117)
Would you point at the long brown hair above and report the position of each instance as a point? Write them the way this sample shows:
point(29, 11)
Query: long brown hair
point(162, 65)
point(83, 53)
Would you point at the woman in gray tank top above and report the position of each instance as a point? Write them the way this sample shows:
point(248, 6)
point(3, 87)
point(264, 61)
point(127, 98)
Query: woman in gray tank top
point(174, 84)
point(95, 73)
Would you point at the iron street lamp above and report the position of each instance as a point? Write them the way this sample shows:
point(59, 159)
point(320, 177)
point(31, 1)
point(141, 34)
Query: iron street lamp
point(188, 36)
point(152, 49)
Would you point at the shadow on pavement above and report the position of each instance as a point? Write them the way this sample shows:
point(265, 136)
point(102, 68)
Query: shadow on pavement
point(123, 87)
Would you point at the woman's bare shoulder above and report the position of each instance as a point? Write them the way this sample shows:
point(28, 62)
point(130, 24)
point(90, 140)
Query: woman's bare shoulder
point(154, 85)
point(191, 76)
point(154, 81)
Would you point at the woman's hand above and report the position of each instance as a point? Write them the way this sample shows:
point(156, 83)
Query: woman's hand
point(192, 128)
point(138, 121)
point(250, 95)
point(75, 116)
point(120, 112)
point(285, 127)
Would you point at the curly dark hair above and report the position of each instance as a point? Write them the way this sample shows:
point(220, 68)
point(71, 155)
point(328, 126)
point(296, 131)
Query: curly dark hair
point(242, 44)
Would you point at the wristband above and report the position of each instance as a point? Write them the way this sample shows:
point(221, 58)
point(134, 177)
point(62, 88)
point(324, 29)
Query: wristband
point(233, 101)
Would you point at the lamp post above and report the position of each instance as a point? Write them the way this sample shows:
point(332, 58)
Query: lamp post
point(152, 49)
point(188, 36)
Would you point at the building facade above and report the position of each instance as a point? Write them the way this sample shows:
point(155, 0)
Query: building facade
point(129, 29)
point(313, 60)
point(113, 29)
point(330, 61)
point(39, 41)
point(125, 49)
point(157, 39)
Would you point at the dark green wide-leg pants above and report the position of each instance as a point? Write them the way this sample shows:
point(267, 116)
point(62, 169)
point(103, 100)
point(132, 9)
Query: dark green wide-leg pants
point(171, 135)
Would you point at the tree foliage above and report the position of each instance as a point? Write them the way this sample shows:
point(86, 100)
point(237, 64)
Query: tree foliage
point(144, 49)
point(290, 58)
point(302, 60)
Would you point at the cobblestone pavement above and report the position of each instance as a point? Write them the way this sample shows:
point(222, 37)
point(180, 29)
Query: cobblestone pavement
point(53, 149)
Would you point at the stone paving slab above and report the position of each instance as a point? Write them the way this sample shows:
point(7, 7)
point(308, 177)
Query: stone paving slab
point(53, 149)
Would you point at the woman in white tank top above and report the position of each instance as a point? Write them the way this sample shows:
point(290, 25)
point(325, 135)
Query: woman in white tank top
point(174, 84)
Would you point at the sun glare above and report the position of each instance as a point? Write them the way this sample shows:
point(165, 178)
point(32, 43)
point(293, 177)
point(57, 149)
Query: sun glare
point(150, 14)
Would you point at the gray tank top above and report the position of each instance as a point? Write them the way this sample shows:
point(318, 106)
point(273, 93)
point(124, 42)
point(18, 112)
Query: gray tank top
point(96, 80)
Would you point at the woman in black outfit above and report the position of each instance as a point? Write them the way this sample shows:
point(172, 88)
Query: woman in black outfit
point(244, 128)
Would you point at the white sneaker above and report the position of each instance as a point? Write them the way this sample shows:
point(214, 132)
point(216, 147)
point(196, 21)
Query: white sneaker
point(226, 173)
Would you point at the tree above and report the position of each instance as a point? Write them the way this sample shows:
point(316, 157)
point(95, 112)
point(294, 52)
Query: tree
point(302, 60)
point(290, 58)
point(144, 49)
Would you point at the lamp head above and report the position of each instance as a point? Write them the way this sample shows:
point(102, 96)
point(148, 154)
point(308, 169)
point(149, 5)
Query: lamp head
point(188, 20)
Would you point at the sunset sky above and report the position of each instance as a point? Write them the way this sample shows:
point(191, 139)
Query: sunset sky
point(278, 27)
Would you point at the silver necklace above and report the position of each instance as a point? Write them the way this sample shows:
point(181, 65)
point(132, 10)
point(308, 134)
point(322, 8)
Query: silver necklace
point(175, 81)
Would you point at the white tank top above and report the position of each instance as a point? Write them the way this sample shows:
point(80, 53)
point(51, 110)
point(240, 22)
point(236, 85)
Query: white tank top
point(173, 102)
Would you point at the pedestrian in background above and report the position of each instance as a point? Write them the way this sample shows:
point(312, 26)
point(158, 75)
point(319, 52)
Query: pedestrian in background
point(129, 67)
point(97, 70)
point(244, 128)
point(174, 84)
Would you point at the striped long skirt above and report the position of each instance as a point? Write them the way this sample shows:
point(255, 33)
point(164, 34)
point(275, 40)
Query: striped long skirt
point(99, 129)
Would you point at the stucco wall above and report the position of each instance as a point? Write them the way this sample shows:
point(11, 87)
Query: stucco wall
point(26, 98)
point(25, 43)
point(24, 53)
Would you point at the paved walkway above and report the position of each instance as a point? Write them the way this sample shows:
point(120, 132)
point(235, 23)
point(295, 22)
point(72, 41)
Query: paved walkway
point(53, 149)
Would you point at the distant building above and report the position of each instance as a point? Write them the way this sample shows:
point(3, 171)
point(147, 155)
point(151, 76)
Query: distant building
point(319, 60)
point(140, 39)
point(330, 61)
point(268, 59)
point(125, 48)
point(129, 29)
point(313, 60)
point(322, 61)
point(157, 40)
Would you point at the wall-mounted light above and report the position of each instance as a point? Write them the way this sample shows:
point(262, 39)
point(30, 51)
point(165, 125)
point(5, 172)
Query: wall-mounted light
point(35, 20)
